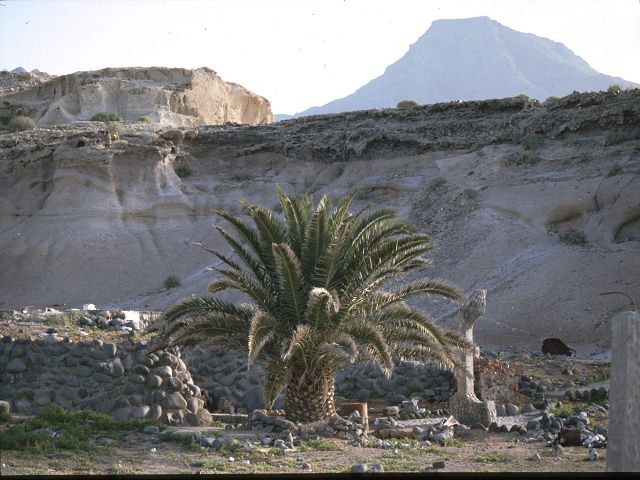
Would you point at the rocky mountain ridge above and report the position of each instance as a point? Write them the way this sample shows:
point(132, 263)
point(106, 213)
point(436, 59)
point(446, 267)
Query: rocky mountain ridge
point(537, 203)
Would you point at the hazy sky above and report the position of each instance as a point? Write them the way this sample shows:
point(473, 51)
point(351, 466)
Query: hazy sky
point(296, 53)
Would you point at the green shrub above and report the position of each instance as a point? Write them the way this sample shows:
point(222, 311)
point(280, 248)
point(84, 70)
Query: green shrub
point(615, 89)
point(319, 444)
point(437, 182)
point(408, 104)
point(171, 282)
point(20, 123)
point(115, 128)
point(143, 119)
point(107, 117)
point(573, 237)
point(5, 417)
point(183, 170)
point(4, 120)
point(470, 194)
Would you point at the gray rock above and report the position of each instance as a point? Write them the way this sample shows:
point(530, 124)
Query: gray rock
point(16, 365)
point(533, 425)
point(151, 429)
point(156, 412)
point(439, 464)
point(512, 409)
point(359, 468)
point(175, 401)
point(5, 406)
point(305, 466)
point(164, 371)
point(528, 408)
point(154, 381)
point(192, 419)
point(141, 411)
point(279, 443)
point(397, 398)
point(193, 405)
point(501, 411)
point(83, 371)
point(174, 384)
point(208, 442)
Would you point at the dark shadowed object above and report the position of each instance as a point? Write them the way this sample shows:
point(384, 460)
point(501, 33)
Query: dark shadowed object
point(555, 346)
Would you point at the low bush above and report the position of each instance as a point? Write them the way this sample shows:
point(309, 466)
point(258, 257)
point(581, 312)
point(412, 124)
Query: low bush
point(21, 123)
point(531, 141)
point(437, 182)
point(171, 281)
point(241, 176)
point(470, 194)
point(107, 117)
point(615, 89)
point(551, 101)
point(143, 119)
point(573, 237)
point(407, 104)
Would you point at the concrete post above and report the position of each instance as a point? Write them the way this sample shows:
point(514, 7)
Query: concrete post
point(623, 447)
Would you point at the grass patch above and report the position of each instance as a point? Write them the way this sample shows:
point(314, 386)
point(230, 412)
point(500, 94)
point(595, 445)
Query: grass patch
point(492, 458)
point(106, 117)
point(55, 428)
point(319, 444)
point(453, 442)
point(568, 408)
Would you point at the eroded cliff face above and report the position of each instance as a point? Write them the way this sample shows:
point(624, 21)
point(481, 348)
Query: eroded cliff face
point(508, 189)
point(169, 96)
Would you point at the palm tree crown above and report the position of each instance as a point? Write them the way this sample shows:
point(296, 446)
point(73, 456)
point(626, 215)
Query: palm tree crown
point(315, 279)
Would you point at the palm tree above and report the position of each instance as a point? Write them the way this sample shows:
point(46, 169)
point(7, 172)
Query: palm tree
point(315, 281)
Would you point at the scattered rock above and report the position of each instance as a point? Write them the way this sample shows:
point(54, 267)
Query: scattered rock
point(359, 468)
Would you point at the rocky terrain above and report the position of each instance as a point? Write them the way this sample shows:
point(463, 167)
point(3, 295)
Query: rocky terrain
point(538, 204)
point(12, 82)
point(169, 96)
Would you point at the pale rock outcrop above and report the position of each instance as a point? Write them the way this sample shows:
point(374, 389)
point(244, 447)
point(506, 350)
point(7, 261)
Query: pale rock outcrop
point(169, 96)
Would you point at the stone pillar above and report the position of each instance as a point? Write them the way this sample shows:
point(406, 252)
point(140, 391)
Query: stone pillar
point(623, 448)
point(464, 404)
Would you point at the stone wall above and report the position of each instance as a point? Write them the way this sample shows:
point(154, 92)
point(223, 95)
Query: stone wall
point(224, 374)
point(121, 380)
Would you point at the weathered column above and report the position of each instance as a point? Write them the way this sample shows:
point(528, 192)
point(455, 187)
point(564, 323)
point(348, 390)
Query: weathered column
point(623, 448)
point(464, 404)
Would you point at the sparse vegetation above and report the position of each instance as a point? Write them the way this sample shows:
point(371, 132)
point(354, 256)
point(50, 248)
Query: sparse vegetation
point(5, 417)
point(620, 136)
point(551, 101)
point(107, 117)
point(55, 428)
point(21, 123)
point(171, 281)
point(614, 170)
point(116, 129)
point(120, 144)
point(143, 119)
point(322, 444)
point(531, 141)
point(437, 182)
point(573, 237)
point(407, 104)
point(470, 194)
point(492, 458)
point(615, 89)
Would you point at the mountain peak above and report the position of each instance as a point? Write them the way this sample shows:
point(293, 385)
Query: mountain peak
point(474, 59)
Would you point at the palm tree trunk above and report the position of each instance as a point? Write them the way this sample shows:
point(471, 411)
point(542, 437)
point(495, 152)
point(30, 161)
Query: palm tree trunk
point(311, 400)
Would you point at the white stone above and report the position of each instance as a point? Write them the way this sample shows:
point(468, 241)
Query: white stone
point(88, 306)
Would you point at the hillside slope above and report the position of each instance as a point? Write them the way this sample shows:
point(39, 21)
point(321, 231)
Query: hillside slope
point(508, 188)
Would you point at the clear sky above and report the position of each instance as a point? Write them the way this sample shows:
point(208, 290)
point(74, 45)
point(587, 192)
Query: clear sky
point(296, 53)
